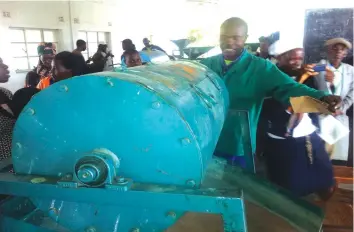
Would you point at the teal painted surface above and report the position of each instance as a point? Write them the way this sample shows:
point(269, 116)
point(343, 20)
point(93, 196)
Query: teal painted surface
point(144, 206)
point(158, 127)
point(159, 120)
point(153, 206)
point(107, 135)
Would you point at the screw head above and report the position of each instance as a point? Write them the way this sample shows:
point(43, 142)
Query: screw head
point(63, 88)
point(190, 183)
point(90, 229)
point(53, 211)
point(156, 105)
point(110, 83)
point(121, 180)
point(185, 141)
point(30, 111)
point(18, 145)
point(171, 214)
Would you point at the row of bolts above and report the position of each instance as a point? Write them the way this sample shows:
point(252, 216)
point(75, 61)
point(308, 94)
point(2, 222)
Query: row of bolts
point(185, 141)
point(170, 214)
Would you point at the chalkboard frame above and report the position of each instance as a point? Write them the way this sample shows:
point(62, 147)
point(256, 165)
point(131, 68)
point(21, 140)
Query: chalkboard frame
point(339, 22)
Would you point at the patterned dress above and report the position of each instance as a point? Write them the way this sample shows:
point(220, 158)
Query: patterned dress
point(7, 122)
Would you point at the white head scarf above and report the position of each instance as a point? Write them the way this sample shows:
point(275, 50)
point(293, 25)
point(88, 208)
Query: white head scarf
point(284, 44)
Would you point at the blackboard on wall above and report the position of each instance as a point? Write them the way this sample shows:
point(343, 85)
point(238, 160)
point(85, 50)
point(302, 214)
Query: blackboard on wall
point(322, 25)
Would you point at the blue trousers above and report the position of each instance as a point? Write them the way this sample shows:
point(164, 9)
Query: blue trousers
point(289, 166)
point(233, 160)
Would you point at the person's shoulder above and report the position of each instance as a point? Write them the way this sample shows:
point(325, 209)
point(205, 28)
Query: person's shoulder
point(256, 58)
point(260, 62)
point(349, 70)
point(76, 52)
point(207, 61)
point(348, 66)
point(210, 59)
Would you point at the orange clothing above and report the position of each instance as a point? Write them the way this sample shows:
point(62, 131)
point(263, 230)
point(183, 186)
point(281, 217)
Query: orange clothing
point(44, 83)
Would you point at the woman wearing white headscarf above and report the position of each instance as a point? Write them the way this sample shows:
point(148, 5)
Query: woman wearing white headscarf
point(295, 155)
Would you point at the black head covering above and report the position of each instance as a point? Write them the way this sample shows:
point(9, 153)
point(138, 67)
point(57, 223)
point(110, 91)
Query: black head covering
point(20, 100)
point(5, 96)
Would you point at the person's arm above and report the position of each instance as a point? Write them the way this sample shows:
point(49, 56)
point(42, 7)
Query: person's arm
point(160, 49)
point(282, 87)
point(206, 61)
point(348, 99)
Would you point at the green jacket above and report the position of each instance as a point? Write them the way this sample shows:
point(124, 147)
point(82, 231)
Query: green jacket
point(249, 80)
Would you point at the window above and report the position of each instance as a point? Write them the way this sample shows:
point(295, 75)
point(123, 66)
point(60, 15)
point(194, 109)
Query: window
point(93, 39)
point(24, 43)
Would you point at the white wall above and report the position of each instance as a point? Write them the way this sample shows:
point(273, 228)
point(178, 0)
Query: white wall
point(164, 19)
point(93, 16)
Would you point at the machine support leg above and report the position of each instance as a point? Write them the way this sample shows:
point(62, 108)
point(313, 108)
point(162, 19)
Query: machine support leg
point(235, 221)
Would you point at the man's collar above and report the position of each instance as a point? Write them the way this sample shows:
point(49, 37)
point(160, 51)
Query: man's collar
point(237, 59)
point(339, 69)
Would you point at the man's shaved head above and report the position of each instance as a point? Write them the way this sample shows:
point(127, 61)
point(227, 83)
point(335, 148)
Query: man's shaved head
point(234, 22)
point(233, 35)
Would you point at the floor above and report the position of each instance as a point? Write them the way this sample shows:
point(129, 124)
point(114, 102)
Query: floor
point(339, 213)
point(339, 210)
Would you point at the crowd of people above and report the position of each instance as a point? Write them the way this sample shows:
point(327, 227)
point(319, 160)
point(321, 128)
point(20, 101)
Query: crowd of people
point(296, 156)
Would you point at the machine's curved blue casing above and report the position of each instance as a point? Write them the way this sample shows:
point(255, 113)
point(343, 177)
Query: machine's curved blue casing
point(128, 151)
point(155, 56)
point(163, 123)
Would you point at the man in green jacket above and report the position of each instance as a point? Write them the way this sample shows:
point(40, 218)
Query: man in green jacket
point(249, 79)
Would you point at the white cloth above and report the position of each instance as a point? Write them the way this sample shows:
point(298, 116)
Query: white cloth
point(345, 91)
point(305, 127)
point(332, 130)
point(108, 65)
point(283, 45)
point(341, 148)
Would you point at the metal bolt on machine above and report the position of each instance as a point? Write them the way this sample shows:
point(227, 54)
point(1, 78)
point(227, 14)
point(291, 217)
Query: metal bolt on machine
point(131, 151)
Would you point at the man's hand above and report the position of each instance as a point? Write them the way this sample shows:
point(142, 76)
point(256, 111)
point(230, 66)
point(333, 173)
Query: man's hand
point(333, 101)
point(329, 75)
point(309, 70)
point(89, 60)
point(338, 112)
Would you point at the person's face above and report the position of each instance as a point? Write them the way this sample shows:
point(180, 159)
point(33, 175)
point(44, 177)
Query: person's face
point(60, 72)
point(133, 60)
point(292, 59)
point(124, 46)
point(83, 47)
point(232, 39)
point(4, 72)
point(104, 49)
point(47, 60)
point(146, 42)
point(264, 45)
point(337, 52)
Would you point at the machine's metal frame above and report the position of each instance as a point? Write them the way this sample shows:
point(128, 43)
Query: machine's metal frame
point(229, 202)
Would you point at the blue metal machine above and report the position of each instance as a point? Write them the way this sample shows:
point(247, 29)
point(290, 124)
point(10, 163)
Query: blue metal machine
point(131, 151)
